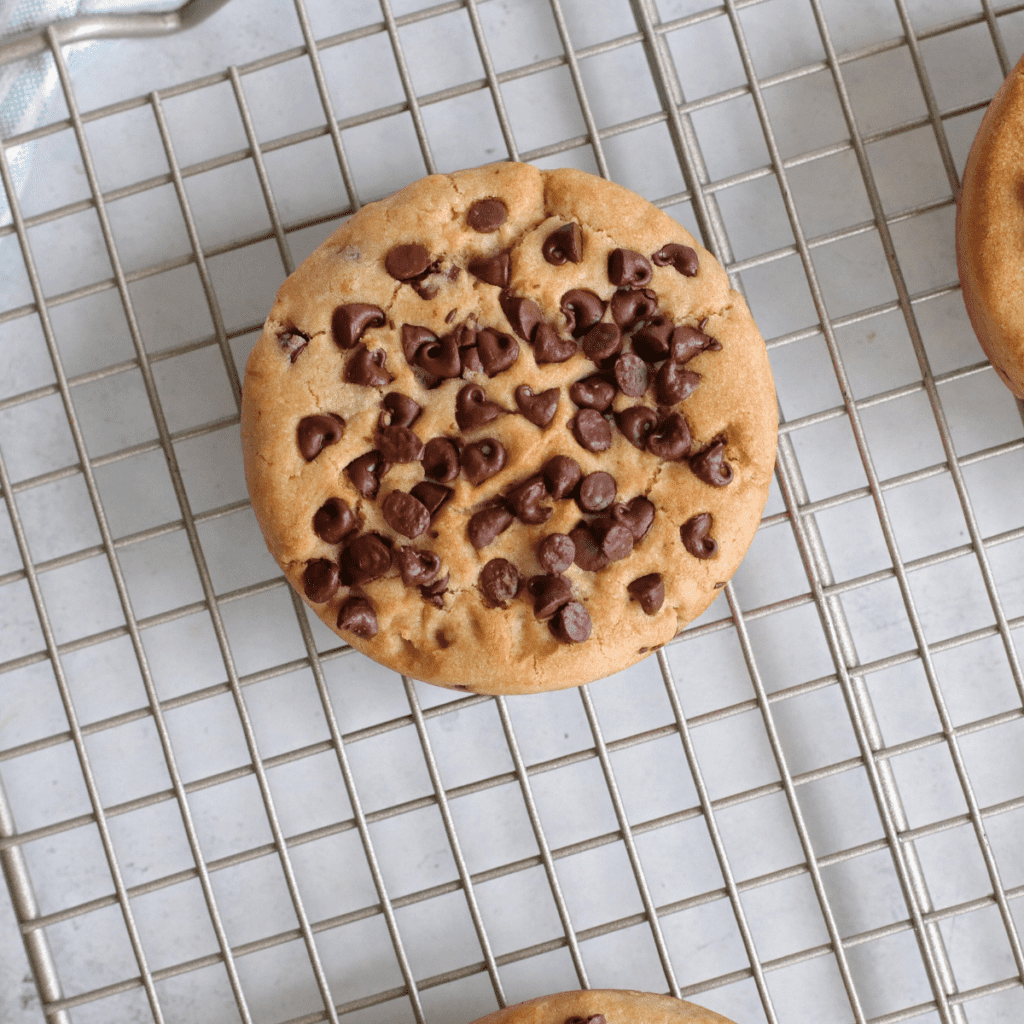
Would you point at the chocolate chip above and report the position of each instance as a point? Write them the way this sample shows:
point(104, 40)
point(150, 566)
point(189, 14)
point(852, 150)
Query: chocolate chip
point(549, 347)
point(485, 525)
point(561, 475)
point(564, 243)
point(426, 287)
point(629, 308)
point(405, 514)
point(399, 444)
point(482, 459)
point(334, 521)
point(582, 309)
point(315, 433)
point(523, 314)
point(292, 342)
point(538, 409)
point(636, 515)
point(649, 590)
point(440, 358)
point(321, 580)
point(592, 393)
point(499, 582)
point(367, 368)
point(404, 410)
point(710, 465)
point(695, 534)
point(414, 338)
point(651, 342)
point(603, 342)
point(487, 215)
point(674, 383)
point(682, 257)
point(473, 408)
point(365, 473)
point(592, 430)
point(349, 322)
point(587, 555)
point(404, 262)
point(470, 357)
point(628, 269)
point(524, 500)
point(613, 540)
point(496, 269)
point(597, 491)
point(670, 439)
point(364, 559)
point(631, 375)
point(497, 351)
point(636, 424)
point(440, 459)
point(417, 566)
point(432, 592)
point(549, 594)
point(571, 623)
point(556, 553)
point(688, 341)
point(433, 496)
point(356, 615)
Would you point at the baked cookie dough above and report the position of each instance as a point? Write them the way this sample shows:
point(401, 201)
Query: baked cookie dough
point(604, 1006)
point(990, 232)
point(509, 430)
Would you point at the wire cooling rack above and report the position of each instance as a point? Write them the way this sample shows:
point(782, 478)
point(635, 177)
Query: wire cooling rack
point(808, 808)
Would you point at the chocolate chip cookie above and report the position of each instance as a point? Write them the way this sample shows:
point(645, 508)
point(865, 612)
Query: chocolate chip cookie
point(509, 430)
point(604, 1006)
point(990, 232)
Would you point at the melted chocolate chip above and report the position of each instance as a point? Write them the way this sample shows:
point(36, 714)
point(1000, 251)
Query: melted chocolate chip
point(649, 590)
point(523, 314)
point(485, 525)
point(582, 309)
point(524, 500)
point(597, 491)
point(561, 475)
point(613, 540)
point(482, 459)
point(564, 243)
point(695, 534)
point(292, 342)
point(499, 582)
point(549, 594)
point(433, 496)
point(315, 433)
point(710, 465)
point(321, 580)
point(670, 439)
point(636, 515)
point(356, 615)
point(440, 358)
point(470, 358)
point(682, 257)
point(628, 269)
point(674, 383)
point(417, 567)
point(403, 410)
point(556, 553)
point(414, 338)
point(538, 409)
point(651, 342)
point(586, 554)
point(399, 444)
point(367, 368)
point(440, 459)
point(364, 559)
point(473, 408)
point(487, 215)
point(350, 321)
point(549, 347)
point(571, 623)
point(592, 431)
point(334, 521)
point(592, 393)
point(688, 342)
point(631, 375)
point(497, 352)
point(404, 262)
point(405, 514)
point(629, 308)
point(496, 269)
point(636, 424)
point(603, 342)
point(365, 473)
point(432, 592)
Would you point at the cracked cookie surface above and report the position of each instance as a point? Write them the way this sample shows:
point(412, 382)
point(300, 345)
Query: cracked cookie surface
point(509, 430)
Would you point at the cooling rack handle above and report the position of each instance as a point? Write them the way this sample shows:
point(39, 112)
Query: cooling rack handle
point(108, 26)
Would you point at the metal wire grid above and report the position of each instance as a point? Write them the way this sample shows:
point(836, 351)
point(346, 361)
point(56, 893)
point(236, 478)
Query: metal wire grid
point(949, 1001)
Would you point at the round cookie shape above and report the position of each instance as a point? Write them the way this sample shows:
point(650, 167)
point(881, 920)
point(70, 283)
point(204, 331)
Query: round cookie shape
point(528, 422)
point(604, 1006)
point(990, 232)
